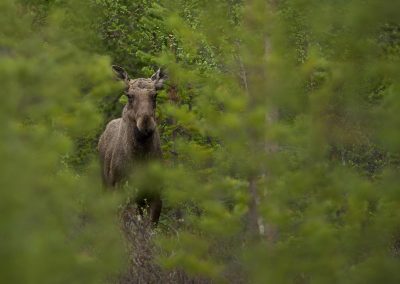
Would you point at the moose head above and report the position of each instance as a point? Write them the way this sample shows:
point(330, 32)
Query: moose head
point(141, 105)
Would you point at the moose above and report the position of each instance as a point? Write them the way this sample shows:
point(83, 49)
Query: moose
point(134, 137)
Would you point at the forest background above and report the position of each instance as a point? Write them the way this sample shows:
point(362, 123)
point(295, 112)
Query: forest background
point(280, 134)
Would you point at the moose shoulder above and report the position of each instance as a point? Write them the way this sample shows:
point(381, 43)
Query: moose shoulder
point(133, 137)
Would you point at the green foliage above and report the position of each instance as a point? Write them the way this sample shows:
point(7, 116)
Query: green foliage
point(279, 127)
point(291, 113)
point(53, 220)
point(131, 32)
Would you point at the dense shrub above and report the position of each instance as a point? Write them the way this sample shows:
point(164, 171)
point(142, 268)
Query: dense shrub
point(279, 125)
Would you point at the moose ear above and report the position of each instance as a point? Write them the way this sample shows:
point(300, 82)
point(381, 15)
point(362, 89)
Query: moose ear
point(158, 79)
point(121, 73)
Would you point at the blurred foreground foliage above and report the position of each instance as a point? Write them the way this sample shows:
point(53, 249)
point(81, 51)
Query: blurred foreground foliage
point(53, 219)
point(279, 126)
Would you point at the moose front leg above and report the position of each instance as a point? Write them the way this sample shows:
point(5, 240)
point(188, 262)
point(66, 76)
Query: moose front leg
point(152, 207)
point(155, 209)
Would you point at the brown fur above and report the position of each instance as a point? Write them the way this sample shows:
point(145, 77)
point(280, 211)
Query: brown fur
point(134, 137)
